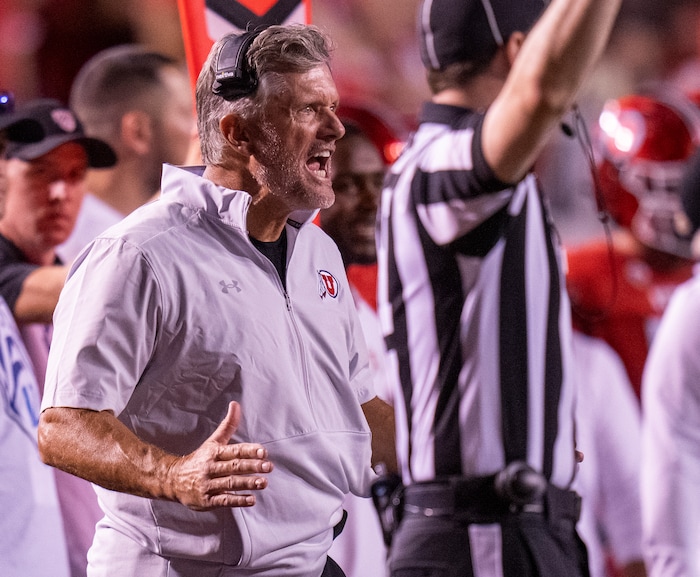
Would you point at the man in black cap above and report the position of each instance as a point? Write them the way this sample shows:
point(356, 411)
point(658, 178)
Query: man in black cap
point(44, 189)
point(31, 520)
point(43, 196)
point(470, 294)
point(13, 126)
point(28, 281)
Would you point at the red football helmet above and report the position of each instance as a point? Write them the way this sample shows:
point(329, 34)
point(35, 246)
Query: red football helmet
point(387, 134)
point(644, 144)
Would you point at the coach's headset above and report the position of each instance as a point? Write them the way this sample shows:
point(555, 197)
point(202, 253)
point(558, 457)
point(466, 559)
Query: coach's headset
point(234, 78)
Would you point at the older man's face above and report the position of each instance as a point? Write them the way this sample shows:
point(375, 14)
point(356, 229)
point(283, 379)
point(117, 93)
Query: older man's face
point(292, 153)
point(43, 197)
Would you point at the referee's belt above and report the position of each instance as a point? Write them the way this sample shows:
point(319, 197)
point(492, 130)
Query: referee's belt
point(515, 490)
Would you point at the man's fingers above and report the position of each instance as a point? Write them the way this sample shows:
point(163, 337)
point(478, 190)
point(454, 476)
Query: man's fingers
point(231, 491)
point(233, 465)
point(231, 500)
point(237, 483)
point(214, 475)
point(228, 426)
point(223, 433)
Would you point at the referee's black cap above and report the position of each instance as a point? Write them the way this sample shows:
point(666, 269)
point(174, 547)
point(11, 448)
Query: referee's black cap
point(467, 30)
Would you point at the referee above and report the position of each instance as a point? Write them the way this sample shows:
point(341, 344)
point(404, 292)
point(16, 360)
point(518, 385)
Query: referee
point(471, 299)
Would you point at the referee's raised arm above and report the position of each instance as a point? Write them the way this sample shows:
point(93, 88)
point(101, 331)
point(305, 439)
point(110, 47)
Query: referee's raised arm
point(549, 65)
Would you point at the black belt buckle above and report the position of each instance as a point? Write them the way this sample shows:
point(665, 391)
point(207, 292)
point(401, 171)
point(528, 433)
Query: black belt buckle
point(522, 487)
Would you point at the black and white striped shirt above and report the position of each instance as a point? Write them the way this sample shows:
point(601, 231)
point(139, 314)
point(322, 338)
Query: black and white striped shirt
point(473, 310)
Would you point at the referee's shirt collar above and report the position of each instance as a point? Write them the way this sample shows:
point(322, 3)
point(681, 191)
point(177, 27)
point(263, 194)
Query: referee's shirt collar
point(442, 113)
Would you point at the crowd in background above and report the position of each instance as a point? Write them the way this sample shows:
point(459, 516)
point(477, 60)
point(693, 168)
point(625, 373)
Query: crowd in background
point(376, 62)
point(376, 65)
point(43, 44)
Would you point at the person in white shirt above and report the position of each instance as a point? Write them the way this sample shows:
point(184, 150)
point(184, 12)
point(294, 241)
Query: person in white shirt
point(33, 540)
point(208, 371)
point(357, 173)
point(608, 429)
point(671, 420)
point(139, 101)
point(41, 200)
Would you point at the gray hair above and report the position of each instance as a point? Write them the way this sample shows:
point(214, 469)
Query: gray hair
point(277, 50)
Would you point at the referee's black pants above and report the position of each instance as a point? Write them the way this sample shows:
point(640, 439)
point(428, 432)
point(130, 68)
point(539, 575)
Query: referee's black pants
point(519, 544)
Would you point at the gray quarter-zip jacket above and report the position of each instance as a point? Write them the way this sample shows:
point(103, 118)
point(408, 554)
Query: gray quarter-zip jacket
point(171, 314)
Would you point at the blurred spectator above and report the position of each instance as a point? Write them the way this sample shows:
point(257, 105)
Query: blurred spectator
point(357, 172)
point(33, 543)
point(607, 432)
point(45, 186)
point(139, 102)
point(643, 51)
point(619, 291)
point(671, 422)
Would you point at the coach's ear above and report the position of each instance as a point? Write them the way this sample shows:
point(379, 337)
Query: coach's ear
point(233, 129)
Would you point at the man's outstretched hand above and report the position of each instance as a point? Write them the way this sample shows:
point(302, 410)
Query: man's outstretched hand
point(219, 474)
point(97, 446)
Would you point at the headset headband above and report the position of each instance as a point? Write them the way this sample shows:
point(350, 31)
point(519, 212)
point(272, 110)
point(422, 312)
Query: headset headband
point(234, 78)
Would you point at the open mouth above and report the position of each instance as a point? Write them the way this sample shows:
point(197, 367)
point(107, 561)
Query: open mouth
point(318, 164)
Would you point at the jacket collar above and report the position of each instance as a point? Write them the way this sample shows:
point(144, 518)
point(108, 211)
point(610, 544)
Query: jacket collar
point(186, 184)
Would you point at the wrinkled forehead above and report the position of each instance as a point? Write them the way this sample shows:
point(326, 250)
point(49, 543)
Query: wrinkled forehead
point(314, 85)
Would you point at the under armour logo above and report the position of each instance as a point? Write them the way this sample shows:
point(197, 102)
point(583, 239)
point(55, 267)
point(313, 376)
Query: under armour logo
point(225, 287)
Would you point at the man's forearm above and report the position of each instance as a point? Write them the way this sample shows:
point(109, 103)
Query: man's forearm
point(98, 447)
point(40, 291)
point(554, 60)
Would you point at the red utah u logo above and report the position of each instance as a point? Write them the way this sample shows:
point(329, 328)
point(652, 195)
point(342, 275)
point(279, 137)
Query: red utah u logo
point(327, 285)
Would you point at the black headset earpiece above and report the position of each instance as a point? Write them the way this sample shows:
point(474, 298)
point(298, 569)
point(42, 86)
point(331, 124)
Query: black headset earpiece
point(234, 78)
